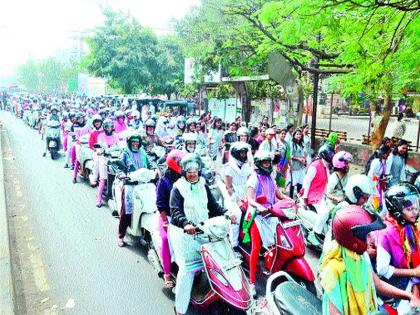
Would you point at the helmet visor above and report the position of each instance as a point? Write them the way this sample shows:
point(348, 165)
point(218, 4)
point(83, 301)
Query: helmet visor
point(192, 166)
point(410, 202)
point(362, 231)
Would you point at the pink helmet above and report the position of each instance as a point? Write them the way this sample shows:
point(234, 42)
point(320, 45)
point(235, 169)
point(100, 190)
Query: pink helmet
point(341, 159)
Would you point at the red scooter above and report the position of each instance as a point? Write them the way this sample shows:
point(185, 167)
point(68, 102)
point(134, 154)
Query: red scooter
point(287, 254)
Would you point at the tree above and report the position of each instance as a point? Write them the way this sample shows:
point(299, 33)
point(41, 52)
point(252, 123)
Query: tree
point(47, 75)
point(170, 67)
point(124, 52)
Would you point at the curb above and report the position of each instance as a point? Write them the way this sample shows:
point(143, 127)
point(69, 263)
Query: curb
point(7, 290)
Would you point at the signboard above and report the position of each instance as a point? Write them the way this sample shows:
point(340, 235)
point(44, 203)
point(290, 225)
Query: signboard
point(225, 108)
point(189, 70)
point(190, 67)
point(89, 86)
point(82, 84)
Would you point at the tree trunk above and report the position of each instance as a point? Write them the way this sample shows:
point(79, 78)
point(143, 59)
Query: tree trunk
point(300, 102)
point(379, 131)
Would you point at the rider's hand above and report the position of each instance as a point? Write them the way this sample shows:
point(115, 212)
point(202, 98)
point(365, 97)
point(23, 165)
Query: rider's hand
point(416, 271)
point(189, 229)
point(262, 210)
point(233, 218)
point(165, 225)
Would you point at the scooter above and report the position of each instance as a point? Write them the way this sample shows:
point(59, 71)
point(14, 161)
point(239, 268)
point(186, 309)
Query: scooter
point(288, 298)
point(53, 136)
point(144, 218)
point(288, 252)
point(222, 279)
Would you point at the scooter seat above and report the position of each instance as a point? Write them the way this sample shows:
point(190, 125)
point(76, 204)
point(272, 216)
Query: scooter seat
point(293, 299)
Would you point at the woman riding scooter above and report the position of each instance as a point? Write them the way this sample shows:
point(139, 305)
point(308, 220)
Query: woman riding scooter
point(96, 130)
point(108, 141)
point(237, 171)
point(120, 124)
point(164, 187)
point(79, 128)
point(261, 229)
point(191, 203)
point(133, 157)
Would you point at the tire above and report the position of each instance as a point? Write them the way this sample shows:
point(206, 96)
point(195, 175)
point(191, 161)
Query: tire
point(52, 152)
point(308, 285)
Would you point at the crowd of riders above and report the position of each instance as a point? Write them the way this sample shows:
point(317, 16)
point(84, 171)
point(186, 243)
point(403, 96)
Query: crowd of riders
point(371, 250)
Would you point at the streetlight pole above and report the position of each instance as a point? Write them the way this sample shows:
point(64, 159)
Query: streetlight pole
point(331, 110)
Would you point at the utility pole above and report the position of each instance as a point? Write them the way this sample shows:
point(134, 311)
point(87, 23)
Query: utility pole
point(314, 101)
point(331, 110)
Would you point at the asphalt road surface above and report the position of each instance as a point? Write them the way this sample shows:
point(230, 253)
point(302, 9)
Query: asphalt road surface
point(64, 251)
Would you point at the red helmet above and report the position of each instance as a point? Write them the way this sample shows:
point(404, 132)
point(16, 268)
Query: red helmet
point(352, 224)
point(173, 159)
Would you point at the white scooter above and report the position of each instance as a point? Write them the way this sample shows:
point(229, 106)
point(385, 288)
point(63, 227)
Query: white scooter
point(144, 218)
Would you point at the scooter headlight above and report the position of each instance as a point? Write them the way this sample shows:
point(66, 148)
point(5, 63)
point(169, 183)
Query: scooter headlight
point(219, 277)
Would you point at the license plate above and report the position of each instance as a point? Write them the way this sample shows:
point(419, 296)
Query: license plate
point(52, 144)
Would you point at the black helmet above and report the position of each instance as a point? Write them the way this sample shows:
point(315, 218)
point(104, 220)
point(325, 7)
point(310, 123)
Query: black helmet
point(108, 123)
point(237, 148)
point(79, 115)
point(133, 136)
point(399, 197)
point(326, 152)
point(72, 114)
point(259, 158)
point(102, 112)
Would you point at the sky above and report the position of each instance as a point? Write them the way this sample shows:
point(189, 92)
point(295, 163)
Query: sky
point(40, 28)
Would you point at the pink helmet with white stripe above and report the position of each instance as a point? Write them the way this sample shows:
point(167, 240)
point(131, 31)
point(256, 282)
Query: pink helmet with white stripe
point(341, 159)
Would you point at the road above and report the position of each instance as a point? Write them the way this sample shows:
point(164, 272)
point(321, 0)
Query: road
point(65, 254)
point(64, 251)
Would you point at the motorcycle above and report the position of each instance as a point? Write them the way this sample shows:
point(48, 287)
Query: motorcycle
point(53, 138)
point(288, 252)
point(222, 279)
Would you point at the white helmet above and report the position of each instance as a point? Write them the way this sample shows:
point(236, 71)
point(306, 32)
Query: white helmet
point(357, 186)
point(190, 141)
point(135, 113)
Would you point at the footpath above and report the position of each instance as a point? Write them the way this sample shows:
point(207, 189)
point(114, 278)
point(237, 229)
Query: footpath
point(7, 292)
